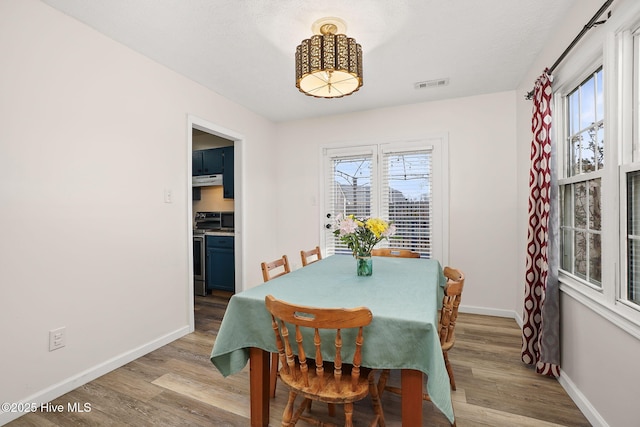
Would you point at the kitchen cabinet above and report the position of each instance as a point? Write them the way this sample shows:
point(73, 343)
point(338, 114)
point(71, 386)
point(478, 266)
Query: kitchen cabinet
point(207, 162)
point(227, 172)
point(220, 263)
point(216, 161)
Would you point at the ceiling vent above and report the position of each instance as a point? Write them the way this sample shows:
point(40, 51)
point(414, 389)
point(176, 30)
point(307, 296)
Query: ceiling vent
point(431, 83)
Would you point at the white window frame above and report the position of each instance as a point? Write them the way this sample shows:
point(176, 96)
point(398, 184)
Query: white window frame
point(613, 47)
point(629, 76)
point(561, 123)
point(622, 296)
point(440, 182)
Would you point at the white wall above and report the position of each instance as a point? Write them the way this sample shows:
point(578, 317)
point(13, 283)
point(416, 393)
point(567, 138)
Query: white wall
point(91, 134)
point(599, 365)
point(598, 359)
point(482, 178)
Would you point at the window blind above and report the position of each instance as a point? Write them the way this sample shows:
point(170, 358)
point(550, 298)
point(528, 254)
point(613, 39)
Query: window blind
point(349, 189)
point(406, 199)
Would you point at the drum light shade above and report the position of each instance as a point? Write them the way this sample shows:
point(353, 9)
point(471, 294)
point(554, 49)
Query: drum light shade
point(328, 65)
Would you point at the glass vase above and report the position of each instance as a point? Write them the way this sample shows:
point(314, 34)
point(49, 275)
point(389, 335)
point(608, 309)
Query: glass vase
point(364, 265)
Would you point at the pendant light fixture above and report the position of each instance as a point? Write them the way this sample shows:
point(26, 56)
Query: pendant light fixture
point(329, 64)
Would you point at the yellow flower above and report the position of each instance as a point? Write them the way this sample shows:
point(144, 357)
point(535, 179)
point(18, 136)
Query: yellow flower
point(377, 226)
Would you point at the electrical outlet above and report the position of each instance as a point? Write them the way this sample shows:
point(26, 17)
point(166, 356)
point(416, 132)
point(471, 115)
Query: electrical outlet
point(57, 338)
point(168, 196)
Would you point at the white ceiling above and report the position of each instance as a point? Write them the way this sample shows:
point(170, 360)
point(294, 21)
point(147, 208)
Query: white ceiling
point(244, 49)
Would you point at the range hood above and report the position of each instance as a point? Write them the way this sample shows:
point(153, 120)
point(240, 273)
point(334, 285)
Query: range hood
point(206, 180)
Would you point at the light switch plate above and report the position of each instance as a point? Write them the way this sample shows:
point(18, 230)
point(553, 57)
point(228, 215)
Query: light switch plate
point(57, 338)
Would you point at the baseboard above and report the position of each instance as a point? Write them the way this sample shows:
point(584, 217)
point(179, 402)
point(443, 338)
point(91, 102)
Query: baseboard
point(581, 401)
point(71, 383)
point(487, 311)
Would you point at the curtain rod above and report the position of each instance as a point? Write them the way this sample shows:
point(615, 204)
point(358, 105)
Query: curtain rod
point(593, 22)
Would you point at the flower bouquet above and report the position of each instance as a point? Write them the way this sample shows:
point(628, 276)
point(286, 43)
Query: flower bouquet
point(361, 235)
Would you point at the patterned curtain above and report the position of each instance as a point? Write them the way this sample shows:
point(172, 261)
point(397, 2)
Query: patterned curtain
point(541, 314)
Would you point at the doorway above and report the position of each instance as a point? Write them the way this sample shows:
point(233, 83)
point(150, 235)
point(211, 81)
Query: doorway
point(203, 135)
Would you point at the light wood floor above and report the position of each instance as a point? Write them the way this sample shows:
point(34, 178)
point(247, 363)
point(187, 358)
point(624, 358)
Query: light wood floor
point(177, 385)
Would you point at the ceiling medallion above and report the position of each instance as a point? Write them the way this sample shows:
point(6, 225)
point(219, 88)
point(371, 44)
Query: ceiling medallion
point(329, 64)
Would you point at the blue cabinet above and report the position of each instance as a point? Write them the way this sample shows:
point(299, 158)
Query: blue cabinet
point(207, 162)
point(227, 172)
point(220, 264)
point(216, 161)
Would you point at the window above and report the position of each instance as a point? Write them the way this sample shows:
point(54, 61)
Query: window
point(349, 192)
point(596, 124)
point(580, 190)
point(633, 237)
point(395, 182)
point(630, 197)
point(407, 198)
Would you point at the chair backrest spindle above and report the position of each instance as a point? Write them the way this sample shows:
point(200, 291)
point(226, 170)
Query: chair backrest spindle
point(302, 357)
point(319, 363)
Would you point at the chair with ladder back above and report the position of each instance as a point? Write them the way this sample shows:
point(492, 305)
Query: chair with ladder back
point(305, 255)
point(281, 267)
point(392, 252)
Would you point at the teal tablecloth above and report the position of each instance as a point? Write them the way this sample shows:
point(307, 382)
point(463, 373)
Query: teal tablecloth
point(403, 294)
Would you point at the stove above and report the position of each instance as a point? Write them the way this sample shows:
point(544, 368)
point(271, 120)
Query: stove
point(206, 222)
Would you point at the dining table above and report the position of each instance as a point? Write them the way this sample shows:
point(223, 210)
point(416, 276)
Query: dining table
point(404, 296)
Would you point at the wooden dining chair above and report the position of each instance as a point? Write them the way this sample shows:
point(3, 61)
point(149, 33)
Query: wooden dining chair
point(391, 252)
point(446, 328)
point(330, 382)
point(281, 265)
point(305, 255)
point(449, 315)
